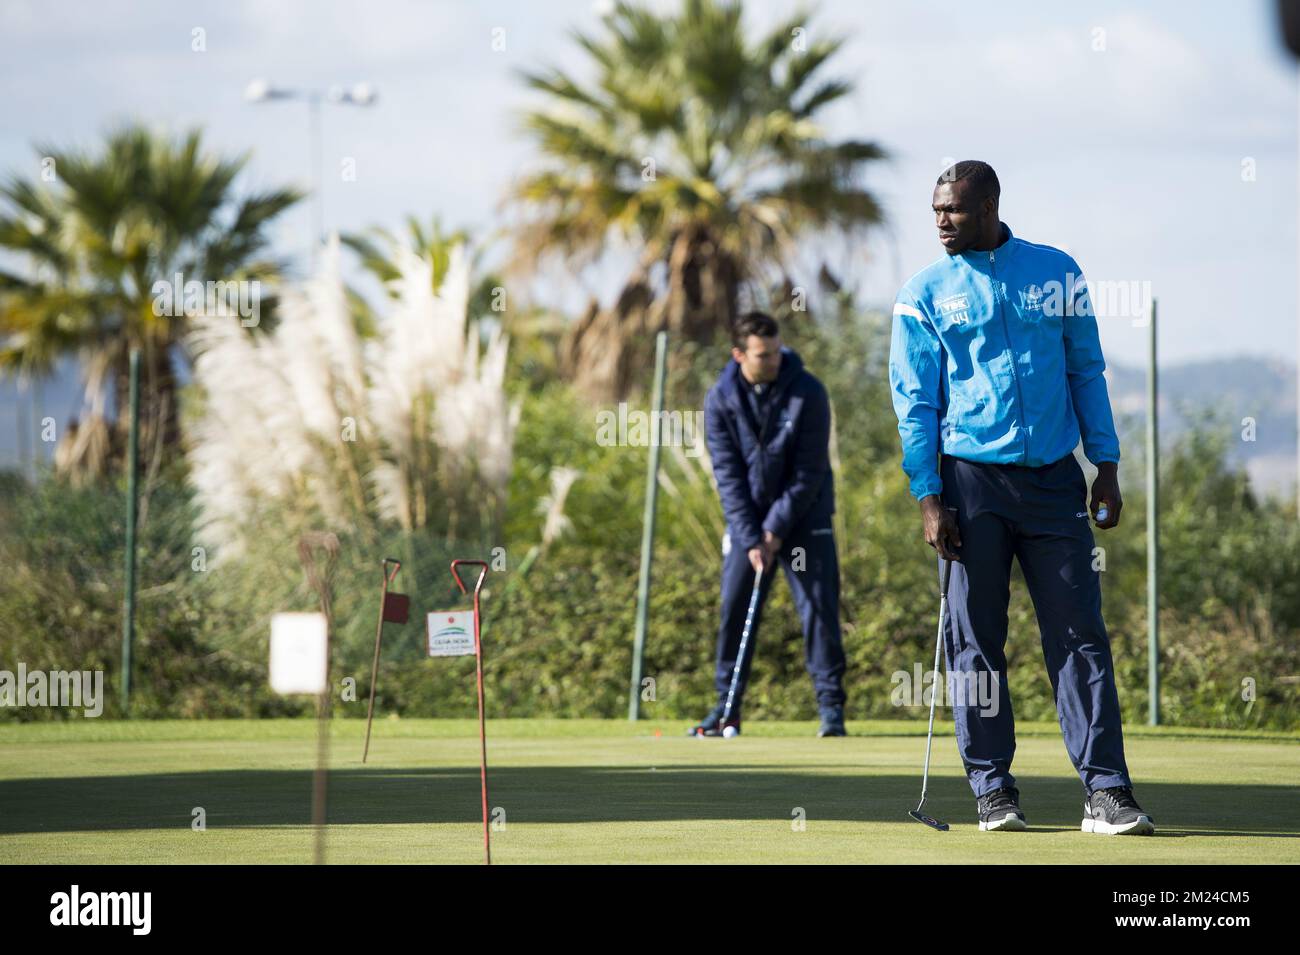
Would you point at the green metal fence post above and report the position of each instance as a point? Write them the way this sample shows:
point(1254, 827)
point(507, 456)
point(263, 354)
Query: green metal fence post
point(1153, 526)
point(648, 527)
point(132, 462)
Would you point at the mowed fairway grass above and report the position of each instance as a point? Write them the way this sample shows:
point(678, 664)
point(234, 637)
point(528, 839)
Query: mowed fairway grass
point(596, 791)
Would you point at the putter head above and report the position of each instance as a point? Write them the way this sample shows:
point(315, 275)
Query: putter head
point(930, 821)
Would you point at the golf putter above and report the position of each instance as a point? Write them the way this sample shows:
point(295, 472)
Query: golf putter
point(916, 813)
point(744, 645)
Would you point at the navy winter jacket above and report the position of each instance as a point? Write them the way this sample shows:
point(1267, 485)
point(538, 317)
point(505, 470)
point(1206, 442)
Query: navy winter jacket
point(779, 481)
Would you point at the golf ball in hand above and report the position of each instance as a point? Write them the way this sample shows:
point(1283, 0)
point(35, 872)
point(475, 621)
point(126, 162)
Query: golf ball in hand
point(729, 731)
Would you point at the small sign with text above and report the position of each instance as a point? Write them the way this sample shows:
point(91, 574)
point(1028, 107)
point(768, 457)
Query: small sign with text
point(451, 633)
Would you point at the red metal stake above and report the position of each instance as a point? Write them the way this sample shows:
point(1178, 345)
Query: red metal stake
point(394, 610)
point(478, 664)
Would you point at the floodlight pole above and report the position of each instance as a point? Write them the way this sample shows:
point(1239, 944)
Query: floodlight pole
point(317, 184)
point(260, 91)
point(1153, 525)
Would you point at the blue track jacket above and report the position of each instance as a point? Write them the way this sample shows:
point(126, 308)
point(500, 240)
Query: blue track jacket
point(779, 480)
point(995, 358)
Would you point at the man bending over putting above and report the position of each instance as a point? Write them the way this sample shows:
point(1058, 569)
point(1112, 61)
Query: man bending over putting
point(996, 372)
point(767, 426)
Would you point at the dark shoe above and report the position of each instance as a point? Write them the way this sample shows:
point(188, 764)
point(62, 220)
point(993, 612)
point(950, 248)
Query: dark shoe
point(712, 724)
point(1114, 812)
point(832, 721)
point(1000, 811)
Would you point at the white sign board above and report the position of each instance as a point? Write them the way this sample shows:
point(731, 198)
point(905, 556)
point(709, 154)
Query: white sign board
point(299, 652)
point(451, 633)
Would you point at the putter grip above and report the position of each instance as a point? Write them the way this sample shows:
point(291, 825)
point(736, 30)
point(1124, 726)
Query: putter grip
point(947, 572)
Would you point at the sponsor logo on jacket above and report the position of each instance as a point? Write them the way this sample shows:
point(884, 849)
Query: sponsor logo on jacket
point(954, 308)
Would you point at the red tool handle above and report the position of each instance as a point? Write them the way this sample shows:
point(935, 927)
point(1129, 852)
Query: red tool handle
point(390, 575)
point(478, 667)
point(472, 563)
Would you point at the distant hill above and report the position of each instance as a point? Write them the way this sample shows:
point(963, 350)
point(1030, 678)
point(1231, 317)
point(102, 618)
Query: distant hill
point(1229, 390)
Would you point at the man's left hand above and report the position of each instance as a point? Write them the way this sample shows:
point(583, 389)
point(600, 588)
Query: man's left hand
point(1105, 490)
point(772, 546)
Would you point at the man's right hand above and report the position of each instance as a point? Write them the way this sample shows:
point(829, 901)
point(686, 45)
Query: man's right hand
point(758, 558)
point(940, 527)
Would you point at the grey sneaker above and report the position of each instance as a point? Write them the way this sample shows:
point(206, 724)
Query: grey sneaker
point(1000, 811)
point(832, 721)
point(1114, 812)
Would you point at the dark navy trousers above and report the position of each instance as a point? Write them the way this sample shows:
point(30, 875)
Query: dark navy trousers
point(1040, 517)
point(813, 571)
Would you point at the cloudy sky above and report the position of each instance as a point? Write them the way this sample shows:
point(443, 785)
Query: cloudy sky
point(1155, 141)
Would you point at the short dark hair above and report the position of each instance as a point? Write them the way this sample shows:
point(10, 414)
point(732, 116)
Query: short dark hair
point(980, 175)
point(753, 323)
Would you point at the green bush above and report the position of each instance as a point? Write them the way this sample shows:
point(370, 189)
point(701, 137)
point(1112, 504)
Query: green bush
point(61, 601)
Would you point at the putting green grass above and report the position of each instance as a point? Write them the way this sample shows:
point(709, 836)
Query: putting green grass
point(609, 791)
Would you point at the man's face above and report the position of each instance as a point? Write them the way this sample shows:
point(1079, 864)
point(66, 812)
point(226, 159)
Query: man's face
point(959, 216)
point(761, 360)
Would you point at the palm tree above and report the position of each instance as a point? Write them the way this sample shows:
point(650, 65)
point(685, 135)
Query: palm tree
point(703, 148)
point(96, 240)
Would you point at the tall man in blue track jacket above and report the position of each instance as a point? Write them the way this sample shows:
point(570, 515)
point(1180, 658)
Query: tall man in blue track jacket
point(767, 426)
point(996, 374)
